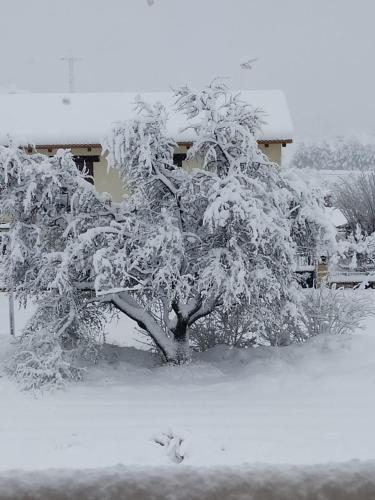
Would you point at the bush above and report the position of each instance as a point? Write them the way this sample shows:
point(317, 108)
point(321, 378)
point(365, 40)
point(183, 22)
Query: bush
point(245, 327)
point(281, 328)
point(334, 311)
point(41, 363)
point(54, 344)
point(324, 310)
point(232, 328)
point(355, 197)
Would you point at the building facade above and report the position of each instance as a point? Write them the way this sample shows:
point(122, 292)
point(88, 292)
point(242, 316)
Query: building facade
point(79, 122)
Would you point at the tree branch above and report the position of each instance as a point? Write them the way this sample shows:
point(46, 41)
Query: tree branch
point(125, 303)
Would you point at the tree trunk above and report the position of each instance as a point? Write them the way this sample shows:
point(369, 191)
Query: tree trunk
point(174, 348)
point(182, 352)
point(181, 339)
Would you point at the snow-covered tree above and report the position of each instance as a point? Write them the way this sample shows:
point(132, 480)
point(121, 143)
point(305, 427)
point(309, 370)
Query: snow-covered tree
point(316, 155)
point(183, 244)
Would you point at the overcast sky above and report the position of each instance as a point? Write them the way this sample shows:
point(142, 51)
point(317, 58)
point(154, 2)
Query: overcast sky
point(320, 52)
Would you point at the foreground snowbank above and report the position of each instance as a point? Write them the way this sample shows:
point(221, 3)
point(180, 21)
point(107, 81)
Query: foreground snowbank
point(347, 481)
point(303, 404)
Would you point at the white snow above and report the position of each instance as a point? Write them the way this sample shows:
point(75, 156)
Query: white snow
point(326, 179)
point(304, 404)
point(336, 216)
point(339, 276)
point(332, 177)
point(46, 119)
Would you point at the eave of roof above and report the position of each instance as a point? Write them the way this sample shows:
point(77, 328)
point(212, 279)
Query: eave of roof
point(95, 146)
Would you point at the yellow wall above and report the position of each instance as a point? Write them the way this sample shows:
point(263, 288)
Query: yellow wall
point(109, 181)
point(273, 151)
point(106, 181)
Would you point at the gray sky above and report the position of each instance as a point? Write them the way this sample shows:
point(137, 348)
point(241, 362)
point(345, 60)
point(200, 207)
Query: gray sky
point(320, 52)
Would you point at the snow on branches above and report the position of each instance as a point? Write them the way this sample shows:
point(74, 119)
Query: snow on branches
point(183, 244)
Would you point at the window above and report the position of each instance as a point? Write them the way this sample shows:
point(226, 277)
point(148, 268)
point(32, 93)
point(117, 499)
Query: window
point(87, 163)
point(178, 158)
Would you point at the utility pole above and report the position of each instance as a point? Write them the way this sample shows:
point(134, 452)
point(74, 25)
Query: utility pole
point(10, 290)
point(71, 62)
point(12, 328)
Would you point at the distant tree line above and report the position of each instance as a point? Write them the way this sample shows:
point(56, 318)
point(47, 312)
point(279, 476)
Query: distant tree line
point(341, 154)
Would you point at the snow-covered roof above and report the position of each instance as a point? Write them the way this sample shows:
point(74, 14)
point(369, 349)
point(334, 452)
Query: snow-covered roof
point(53, 119)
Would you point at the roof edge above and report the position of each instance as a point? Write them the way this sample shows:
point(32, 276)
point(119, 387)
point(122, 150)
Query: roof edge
point(181, 143)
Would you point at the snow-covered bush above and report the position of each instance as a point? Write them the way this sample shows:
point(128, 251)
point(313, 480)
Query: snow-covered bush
point(336, 311)
point(322, 310)
point(242, 327)
point(50, 349)
point(234, 328)
point(356, 253)
point(340, 154)
point(40, 363)
point(282, 327)
point(355, 197)
point(182, 245)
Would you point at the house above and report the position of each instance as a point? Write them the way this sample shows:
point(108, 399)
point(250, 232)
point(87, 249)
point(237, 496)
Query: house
point(48, 122)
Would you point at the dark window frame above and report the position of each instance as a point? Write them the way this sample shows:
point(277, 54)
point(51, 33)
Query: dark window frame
point(178, 158)
point(87, 162)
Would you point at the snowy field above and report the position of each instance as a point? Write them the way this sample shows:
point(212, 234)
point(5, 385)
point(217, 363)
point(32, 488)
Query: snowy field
point(304, 405)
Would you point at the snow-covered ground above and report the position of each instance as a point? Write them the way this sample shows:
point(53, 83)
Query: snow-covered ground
point(310, 403)
point(302, 405)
